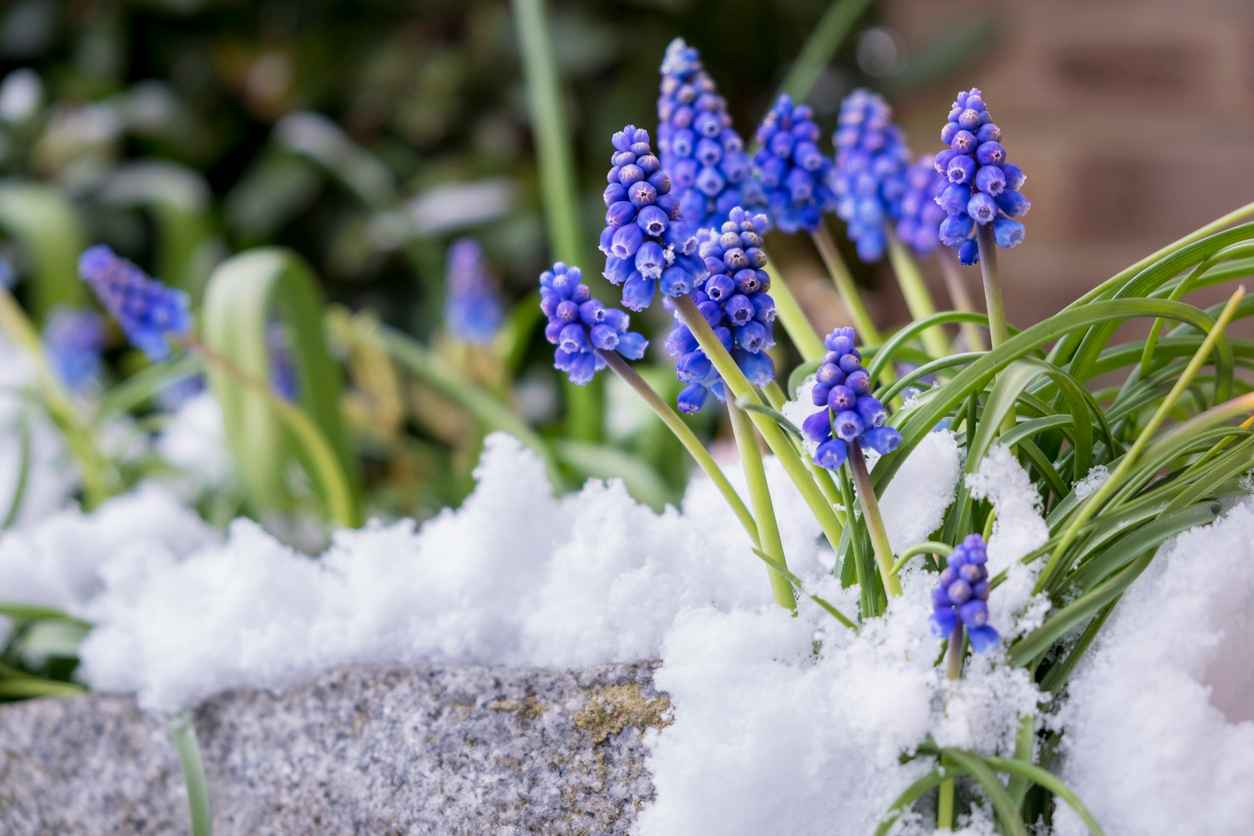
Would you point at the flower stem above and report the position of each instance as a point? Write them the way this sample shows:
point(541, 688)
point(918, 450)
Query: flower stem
point(997, 330)
point(918, 298)
point(771, 432)
point(760, 496)
point(874, 522)
point(183, 737)
point(793, 318)
point(953, 672)
point(961, 298)
point(845, 287)
point(776, 398)
point(686, 437)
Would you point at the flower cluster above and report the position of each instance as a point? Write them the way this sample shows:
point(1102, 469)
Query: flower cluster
point(73, 340)
point(149, 312)
point(793, 172)
point(850, 414)
point(644, 250)
point(961, 593)
point(581, 327)
point(869, 177)
point(983, 188)
point(472, 307)
point(919, 216)
point(734, 300)
point(698, 145)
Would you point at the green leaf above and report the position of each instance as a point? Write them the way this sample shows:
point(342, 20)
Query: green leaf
point(46, 226)
point(21, 479)
point(266, 434)
point(1049, 781)
point(774, 415)
point(911, 794)
point(35, 612)
point(977, 767)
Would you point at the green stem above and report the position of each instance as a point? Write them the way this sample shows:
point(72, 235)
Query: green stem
point(953, 672)
point(771, 432)
point(760, 497)
point(793, 318)
point(776, 398)
point(97, 479)
point(557, 178)
point(927, 547)
point(1130, 458)
point(961, 298)
point(686, 437)
point(918, 298)
point(325, 465)
point(828, 35)
point(874, 522)
point(845, 287)
point(998, 333)
point(183, 737)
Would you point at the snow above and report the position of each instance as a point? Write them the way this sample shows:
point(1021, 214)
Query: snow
point(914, 504)
point(1018, 529)
point(1159, 724)
point(194, 442)
point(1094, 479)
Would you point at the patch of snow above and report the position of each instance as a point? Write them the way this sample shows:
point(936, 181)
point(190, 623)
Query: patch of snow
point(1092, 480)
point(1018, 529)
point(1159, 722)
point(915, 501)
point(194, 441)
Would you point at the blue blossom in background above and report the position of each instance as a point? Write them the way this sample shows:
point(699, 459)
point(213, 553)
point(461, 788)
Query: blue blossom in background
point(734, 300)
point(850, 412)
point(961, 595)
point(472, 306)
point(282, 366)
point(73, 340)
point(581, 327)
point(645, 251)
point(699, 148)
point(869, 177)
point(178, 392)
point(8, 276)
point(919, 216)
point(792, 170)
point(149, 312)
point(982, 186)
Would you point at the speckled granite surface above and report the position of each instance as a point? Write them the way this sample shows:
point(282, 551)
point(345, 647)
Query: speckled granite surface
point(436, 750)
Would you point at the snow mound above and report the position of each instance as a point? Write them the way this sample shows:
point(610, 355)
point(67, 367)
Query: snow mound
point(915, 501)
point(194, 442)
point(1159, 723)
point(770, 738)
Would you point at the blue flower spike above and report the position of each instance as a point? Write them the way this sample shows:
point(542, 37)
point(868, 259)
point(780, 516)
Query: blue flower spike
point(645, 250)
point(850, 413)
point(792, 170)
point(472, 307)
point(919, 214)
point(74, 339)
point(869, 178)
point(982, 187)
point(961, 595)
point(581, 327)
point(149, 313)
point(735, 301)
point(698, 146)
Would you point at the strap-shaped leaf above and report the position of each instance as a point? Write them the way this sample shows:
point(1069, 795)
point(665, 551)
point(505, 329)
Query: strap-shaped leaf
point(45, 225)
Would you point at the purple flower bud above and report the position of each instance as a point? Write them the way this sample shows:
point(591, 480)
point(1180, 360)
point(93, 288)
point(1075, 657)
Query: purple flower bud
point(842, 398)
point(831, 454)
point(149, 313)
point(982, 208)
point(1007, 232)
point(961, 169)
point(882, 440)
point(847, 425)
point(869, 177)
point(871, 411)
point(792, 176)
point(818, 427)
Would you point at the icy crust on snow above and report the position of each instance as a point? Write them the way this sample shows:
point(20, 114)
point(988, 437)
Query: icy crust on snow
point(1159, 724)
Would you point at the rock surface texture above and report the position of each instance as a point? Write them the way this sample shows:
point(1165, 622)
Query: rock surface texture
point(429, 750)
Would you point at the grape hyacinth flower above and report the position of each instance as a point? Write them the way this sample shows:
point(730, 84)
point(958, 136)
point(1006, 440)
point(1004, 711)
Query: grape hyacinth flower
point(472, 305)
point(698, 146)
point(581, 327)
point(644, 249)
point(983, 187)
point(735, 301)
point(793, 172)
point(73, 340)
point(869, 177)
point(960, 598)
point(149, 313)
point(850, 413)
point(283, 375)
point(919, 216)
